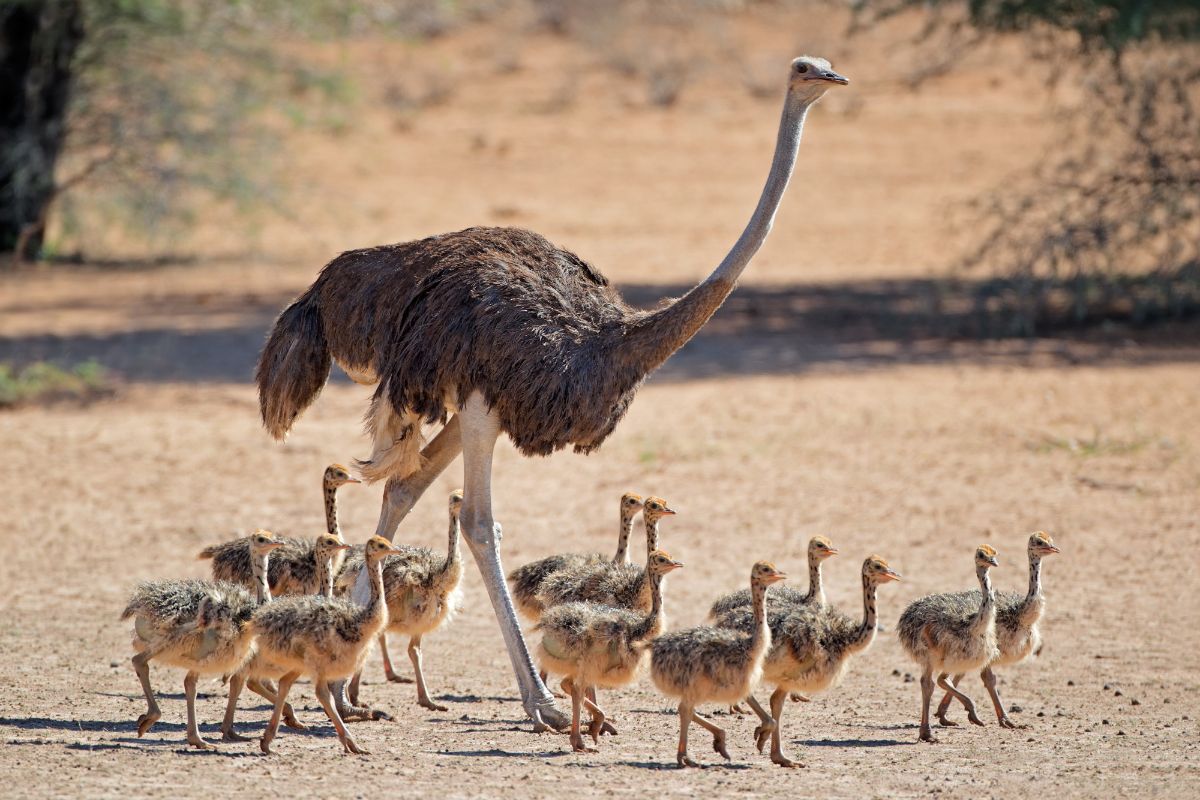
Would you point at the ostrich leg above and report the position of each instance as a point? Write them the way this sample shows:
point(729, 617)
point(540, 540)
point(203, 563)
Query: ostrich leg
point(399, 497)
point(480, 429)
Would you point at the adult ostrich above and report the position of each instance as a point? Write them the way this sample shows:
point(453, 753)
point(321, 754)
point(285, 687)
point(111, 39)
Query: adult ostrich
point(492, 330)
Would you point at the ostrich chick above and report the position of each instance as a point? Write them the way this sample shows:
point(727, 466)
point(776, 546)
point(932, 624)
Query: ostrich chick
point(1017, 633)
point(258, 672)
point(200, 626)
point(593, 645)
point(527, 581)
point(294, 567)
point(608, 582)
point(811, 648)
point(952, 633)
point(324, 638)
point(422, 591)
point(706, 664)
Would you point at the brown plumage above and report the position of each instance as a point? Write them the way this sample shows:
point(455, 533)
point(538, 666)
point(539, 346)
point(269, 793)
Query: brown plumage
point(258, 673)
point(200, 626)
point(593, 645)
point(1017, 632)
point(706, 664)
point(811, 646)
point(526, 581)
point(952, 633)
point(325, 638)
point(607, 582)
point(294, 567)
point(422, 591)
point(819, 549)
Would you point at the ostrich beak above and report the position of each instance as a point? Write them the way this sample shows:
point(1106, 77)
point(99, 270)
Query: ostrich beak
point(892, 575)
point(830, 76)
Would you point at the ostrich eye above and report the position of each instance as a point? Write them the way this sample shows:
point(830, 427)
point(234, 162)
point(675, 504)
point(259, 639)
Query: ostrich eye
point(803, 68)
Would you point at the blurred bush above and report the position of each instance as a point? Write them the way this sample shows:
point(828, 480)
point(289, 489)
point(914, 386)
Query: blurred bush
point(1107, 225)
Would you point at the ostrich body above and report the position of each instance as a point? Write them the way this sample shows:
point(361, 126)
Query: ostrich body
point(949, 634)
point(258, 673)
point(596, 646)
point(295, 568)
point(527, 580)
point(422, 591)
point(1017, 632)
point(325, 638)
point(819, 549)
point(197, 625)
point(490, 331)
point(721, 665)
point(811, 648)
point(609, 583)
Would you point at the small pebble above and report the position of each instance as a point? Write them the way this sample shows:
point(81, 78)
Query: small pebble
point(896, 672)
point(1041, 713)
point(1070, 683)
point(1015, 709)
point(1120, 733)
point(1117, 693)
point(1104, 722)
point(1135, 702)
point(1108, 687)
point(908, 678)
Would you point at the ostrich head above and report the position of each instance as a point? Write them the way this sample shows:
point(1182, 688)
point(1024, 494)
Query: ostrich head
point(655, 508)
point(328, 545)
point(876, 570)
point(764, 574)
point(337, 475)
point(660, 563)
point(811, 77)
point(456, 501)
point(263, 542)
point(630, 504)
point(985, 557)
point(1040, 544)
point(820, 548)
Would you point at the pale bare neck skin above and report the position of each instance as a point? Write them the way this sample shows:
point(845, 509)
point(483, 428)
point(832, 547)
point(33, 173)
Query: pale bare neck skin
point(622, 556)
point(816, 590)
point(331, 520)
point(650, 338)
point(760, 639)
point(1033, 600)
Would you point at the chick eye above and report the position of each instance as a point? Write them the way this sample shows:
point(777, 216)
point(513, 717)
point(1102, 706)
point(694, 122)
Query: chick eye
point(802, 68)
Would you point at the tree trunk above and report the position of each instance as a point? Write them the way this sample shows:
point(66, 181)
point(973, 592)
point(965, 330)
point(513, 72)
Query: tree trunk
point(38, 39)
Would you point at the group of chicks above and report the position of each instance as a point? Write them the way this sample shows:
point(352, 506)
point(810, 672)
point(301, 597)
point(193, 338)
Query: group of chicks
point(279, 609)
point(599, 618)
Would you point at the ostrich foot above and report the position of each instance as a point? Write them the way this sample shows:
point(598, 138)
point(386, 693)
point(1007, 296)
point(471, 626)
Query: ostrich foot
point(396, 678)
point(926, 735)
point(1005, 722)
point(350, 746)
point(199, 743)
point(796, 697)
point(432, 706)
point(290, 721)
point(597, 728)
point(762, 733)
point(546, 717)
point(233, 736)
point(682, 760)
point(946, 722)
point(783, 761)
point(578, 746)
point(974, 718)
point(146, 721)
point(363, 713)
point(736, 708)
point(719, 745)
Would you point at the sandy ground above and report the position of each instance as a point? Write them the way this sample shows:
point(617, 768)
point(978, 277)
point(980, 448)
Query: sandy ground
point(811, 404)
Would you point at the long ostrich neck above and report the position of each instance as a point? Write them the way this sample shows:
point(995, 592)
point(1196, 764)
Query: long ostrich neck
point(262, 585)
point(331, 520)
point(760, 639)
point(375, 605)
point(652, 337)
point(325, 576)
point(622, 556)
point(452, 554)
point(816, 592)
point(651, 532)
point(653, 622)
point(866, 631)
point(988, 607)
point(1035, 577)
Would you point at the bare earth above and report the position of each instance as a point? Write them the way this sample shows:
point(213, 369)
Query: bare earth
point(804, 408)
